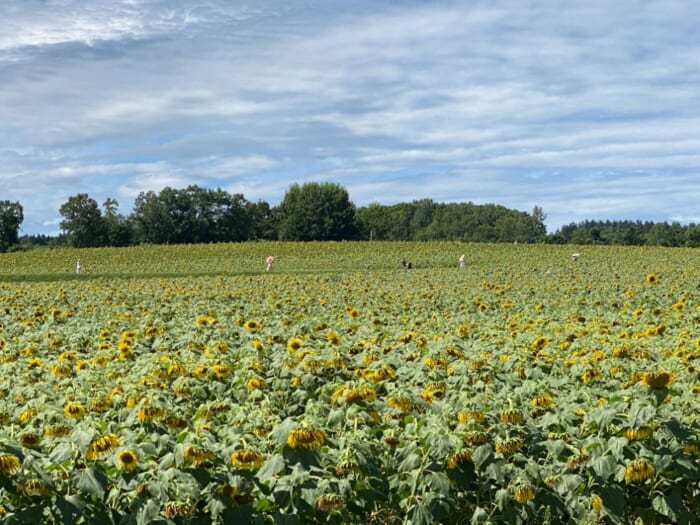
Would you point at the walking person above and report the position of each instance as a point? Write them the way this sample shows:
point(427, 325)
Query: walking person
point(78, 267)
point(461, 261)
point(269, 262)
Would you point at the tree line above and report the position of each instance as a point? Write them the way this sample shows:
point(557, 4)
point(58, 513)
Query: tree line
point(313, 212)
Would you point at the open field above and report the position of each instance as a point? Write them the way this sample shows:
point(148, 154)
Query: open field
point(183, 384)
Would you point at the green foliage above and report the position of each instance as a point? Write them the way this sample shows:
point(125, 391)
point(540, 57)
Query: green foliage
point(11, 217)
point(83, 223)
point(316, 212)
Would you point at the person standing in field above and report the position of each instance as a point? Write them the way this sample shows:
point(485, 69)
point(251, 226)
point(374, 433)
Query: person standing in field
point(461, 261)
point(269, 263)
point(78, 267)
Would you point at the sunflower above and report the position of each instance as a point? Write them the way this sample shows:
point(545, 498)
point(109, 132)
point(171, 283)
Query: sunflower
point(651, 278)
point(545, 401)
point(639, 434)
point(256, 383)
point(657, 379)
point(400, 402)
point(57, 430)
point(294, 344)
point(333, 338)
point(9, 464)
point(30, 440)
point(100, 446)
point(258, 345)
point(252, 326)
point(459, 458)
point(511, 415)
point(434, 391)
point(197, 456)
point(360, 395)
point(247, 459)
point(639, 470)
point(74, 410)
point(150, 414)
point(539, 342)
point(508, 445)
point(306, 438)
point(127, 460)
point(33, 487)
point(596, 503)
point(524, 493)
point(330, 503)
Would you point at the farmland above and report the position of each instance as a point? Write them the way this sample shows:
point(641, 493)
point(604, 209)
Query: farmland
point(184, 384)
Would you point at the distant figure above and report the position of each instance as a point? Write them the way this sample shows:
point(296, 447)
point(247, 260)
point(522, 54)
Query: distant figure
point(269, 262)
point(406, 264)
point(78, 267)
point(461, 261)
point(575, 256)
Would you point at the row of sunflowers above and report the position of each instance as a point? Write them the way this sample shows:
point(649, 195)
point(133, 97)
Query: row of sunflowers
point(342, 388)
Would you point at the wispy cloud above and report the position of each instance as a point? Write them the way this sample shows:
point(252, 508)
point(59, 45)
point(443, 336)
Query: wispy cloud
point(588, 110)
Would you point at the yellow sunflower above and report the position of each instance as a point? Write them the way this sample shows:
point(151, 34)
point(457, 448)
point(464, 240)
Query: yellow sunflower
point(127, 460)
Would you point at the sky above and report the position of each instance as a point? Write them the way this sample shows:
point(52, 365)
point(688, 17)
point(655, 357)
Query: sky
point(589, 110)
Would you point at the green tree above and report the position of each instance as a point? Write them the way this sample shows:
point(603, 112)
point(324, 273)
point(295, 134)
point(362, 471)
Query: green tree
point(317, 212)
point(118, 229)
point(11, 216)
point(83, 223)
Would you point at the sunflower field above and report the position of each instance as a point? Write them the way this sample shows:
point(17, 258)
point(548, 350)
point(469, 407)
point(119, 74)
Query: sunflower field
point(187, 385)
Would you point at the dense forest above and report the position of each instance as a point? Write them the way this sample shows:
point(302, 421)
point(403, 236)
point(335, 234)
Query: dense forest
point(310, 212)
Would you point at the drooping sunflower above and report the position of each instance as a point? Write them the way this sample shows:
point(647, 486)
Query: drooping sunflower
point(639, 470)
point(400, 402)
point(330, 503)
point(127, 460)
point(30, 440)
point(247, 459)
point(508, 445)
point(524, 493)
point(100, 446)
point(659, 379)
point(74, 410)
point(9, 464)
point(197, 456)
point(306, 438)
point(150, 414)
point(360, 395)
point(459, 458)
point(57, 430)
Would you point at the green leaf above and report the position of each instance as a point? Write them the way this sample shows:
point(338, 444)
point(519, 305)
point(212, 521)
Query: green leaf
point(410, 463)
point(273, 466)
point(87, 482)
point(481, 455)
point(668, 504)
point(479, 516)
point(614, 500)
point(604, 466)
point(420, 515)
point(147, 513)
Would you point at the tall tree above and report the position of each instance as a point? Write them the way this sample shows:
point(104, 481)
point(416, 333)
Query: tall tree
point(317, 212)
point(83, 222)
point(11, 216)
point(118, 228)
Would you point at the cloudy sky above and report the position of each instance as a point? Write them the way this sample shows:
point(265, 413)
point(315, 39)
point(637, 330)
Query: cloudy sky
point(590, 110)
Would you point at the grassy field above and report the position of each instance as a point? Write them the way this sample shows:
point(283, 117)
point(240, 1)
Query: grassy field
point(184, 384)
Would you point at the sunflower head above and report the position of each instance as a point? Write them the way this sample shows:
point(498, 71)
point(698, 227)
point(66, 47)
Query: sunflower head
point(127, 460)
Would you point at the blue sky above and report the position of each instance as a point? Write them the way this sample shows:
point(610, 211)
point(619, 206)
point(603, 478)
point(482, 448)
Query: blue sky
point(590, 110)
